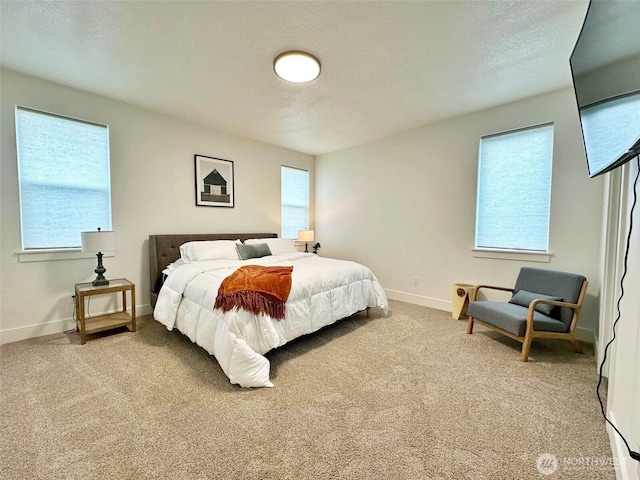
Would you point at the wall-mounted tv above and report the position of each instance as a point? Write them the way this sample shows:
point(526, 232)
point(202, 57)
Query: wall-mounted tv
point(605, 65)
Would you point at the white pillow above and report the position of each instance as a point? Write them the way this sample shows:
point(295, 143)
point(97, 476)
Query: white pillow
point(276, 245)
point(173, 266)
point(209, 250)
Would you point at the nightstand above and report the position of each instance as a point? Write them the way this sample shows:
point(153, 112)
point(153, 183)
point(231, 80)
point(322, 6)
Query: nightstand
point(87, 326)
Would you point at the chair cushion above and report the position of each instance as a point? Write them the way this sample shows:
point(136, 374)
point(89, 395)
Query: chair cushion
point(524, 298)
point(512, 317)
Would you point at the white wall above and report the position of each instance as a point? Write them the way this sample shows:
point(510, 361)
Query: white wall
point(405, 205)
point(623, 398)
point(152, 178)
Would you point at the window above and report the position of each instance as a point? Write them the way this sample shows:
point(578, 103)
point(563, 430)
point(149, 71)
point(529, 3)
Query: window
point(514, 190)
point(64, 179)
point(294, 199)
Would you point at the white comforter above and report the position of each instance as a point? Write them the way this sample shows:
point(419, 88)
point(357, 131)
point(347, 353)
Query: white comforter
point(323, 290)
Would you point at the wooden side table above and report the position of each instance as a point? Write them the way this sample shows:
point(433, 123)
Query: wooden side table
point(87, 326)
point(462, 293)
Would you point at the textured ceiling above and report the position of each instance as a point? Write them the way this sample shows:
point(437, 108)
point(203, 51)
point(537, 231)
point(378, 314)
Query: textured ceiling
point(387, 66)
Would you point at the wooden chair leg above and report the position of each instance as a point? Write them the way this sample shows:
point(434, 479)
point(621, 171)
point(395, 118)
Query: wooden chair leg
point(526, 347)
point(470, 326)
point(576, 345)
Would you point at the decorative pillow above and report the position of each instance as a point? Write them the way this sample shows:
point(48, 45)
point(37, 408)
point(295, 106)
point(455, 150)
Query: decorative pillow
point(276, 245)
point(524, 298)
point(252, 251)
point(209, 250)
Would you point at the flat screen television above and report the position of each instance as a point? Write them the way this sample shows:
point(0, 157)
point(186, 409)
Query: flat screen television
point(605, 66)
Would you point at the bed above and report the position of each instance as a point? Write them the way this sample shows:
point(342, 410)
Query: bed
point(186, 275)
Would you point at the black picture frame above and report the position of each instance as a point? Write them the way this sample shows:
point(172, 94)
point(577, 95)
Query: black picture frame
point(214, 182)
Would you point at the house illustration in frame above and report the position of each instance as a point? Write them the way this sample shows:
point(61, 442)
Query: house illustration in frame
point(215, 188)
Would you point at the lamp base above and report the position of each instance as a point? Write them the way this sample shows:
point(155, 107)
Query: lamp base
point(100, 280)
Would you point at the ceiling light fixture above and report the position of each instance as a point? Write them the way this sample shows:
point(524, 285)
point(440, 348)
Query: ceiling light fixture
point(296, 67)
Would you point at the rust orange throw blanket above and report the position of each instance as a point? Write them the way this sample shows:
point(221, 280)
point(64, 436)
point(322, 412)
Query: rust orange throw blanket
point(256, 289)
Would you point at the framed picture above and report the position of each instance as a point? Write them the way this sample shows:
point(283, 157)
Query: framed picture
point(214, 182)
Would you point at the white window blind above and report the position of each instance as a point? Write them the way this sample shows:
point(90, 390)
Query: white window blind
point(514, 189)
point(294, 195)
point(64, 179)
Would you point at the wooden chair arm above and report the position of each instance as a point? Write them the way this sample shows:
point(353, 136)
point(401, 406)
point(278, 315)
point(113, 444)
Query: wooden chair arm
point(532, 306)
point(554, 302)
point(577, 307)
point(492, 287)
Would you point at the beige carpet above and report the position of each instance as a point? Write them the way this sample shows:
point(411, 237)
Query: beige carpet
point(407, 396)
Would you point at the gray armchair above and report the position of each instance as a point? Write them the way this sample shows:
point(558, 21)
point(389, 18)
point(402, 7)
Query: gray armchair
point(544, 304)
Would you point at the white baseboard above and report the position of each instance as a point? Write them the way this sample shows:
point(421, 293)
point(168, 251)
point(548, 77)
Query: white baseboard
point(58, 326)
point(583, 334)
point(419, 300)
point(11, 335)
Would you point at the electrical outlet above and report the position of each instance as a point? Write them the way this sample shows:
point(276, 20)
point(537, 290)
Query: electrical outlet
point(416, 281)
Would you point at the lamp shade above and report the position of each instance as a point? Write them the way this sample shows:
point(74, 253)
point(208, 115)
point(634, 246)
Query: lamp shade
point(99, 241)
point(305, 235)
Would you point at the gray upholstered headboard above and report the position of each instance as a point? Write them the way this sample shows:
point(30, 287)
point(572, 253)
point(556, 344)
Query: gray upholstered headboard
point(164, 249)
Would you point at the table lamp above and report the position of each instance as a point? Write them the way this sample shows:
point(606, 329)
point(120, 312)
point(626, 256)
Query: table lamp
point(305, 236)
point(99, 242)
